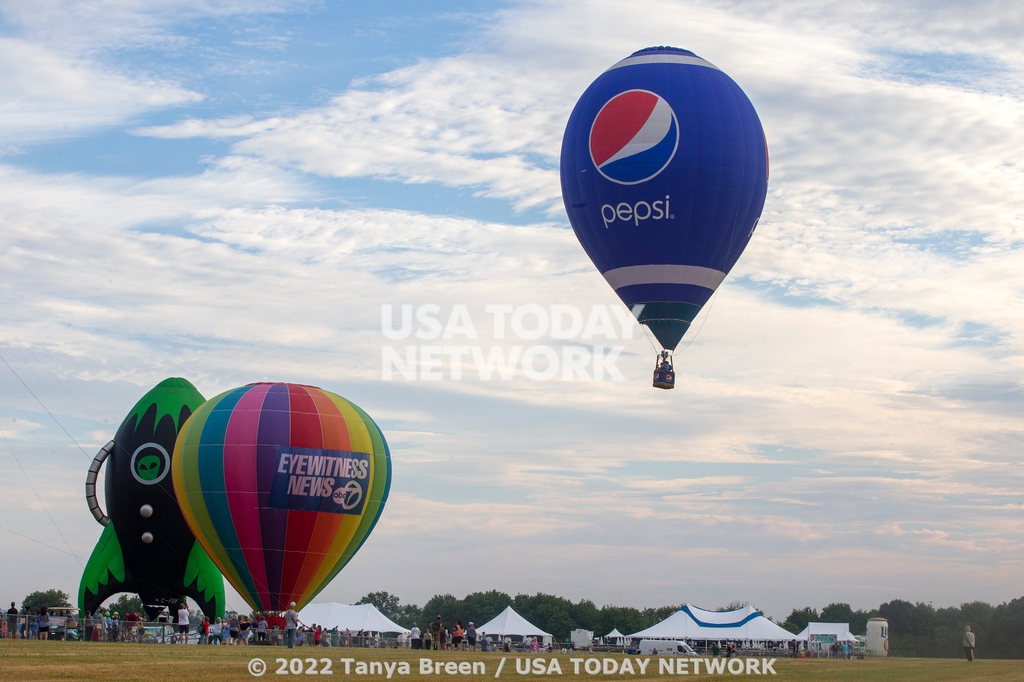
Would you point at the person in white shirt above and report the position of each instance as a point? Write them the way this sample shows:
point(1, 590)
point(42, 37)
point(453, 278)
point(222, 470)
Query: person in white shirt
point(215, 630)
point(182, 623)
point(291, 621)
point(414, 636)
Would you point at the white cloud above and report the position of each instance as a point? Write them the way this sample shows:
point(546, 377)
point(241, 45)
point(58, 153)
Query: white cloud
point(48, 94)
point(855, 394)
point(61, 72)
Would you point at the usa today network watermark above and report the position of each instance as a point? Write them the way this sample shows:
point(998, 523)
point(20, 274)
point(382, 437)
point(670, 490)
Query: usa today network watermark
point(581, 666)
point(542, 343)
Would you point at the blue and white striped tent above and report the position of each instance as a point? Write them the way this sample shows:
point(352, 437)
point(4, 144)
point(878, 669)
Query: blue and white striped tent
point(696, 624)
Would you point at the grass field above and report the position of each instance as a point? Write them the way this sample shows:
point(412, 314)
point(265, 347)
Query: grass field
point(21, 660)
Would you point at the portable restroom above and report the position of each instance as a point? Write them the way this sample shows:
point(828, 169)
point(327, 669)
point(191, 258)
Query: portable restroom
point(877, 641)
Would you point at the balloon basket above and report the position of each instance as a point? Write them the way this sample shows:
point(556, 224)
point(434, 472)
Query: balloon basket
point(664, 373)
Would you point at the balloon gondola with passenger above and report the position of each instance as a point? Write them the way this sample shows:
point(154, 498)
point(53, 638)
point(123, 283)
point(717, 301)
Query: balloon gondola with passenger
point(664, 172)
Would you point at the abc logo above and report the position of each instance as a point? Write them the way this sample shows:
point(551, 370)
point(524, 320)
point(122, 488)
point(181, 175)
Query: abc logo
point(349, 496)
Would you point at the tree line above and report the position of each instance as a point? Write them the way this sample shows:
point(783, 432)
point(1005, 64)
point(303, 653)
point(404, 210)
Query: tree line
point(915, 630)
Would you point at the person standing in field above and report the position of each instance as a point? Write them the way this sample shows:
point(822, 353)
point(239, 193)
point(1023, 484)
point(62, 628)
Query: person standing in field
point(414, 637)
point(457, 636)
point(969, 642)
point(471, 636)
point(291, 621)
point(12, 621)
point(437, 630)
point(233, 629)
point(182, 623)
point(44, 623)
point(225, 632)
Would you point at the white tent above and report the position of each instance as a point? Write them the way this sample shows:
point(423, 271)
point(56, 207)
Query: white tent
point(508, 623)
point(695, 623)
point(841, 631)
point(356, 617)
point(615, 636)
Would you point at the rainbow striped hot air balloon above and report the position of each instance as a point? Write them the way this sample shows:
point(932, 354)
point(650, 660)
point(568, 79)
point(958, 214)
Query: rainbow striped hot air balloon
point(281, 484)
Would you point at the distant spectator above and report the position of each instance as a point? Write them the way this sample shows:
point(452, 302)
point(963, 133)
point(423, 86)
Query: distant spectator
point(291, 621)
point(969, 642)
point(97, 626)
point(471, 636)
point(225, 632)
point(12, 622)
point(437, 630)
point(414, 637)
point(244, 629)
point(182, 623)
point(457, 634)
point(204, 631)
point(233, 628)
point(261, 629)
point(44, 624)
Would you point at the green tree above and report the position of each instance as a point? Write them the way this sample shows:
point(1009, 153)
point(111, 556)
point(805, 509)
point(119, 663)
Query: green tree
point(386, 603)
point(624, 618)
point(859, 621)
point(799, 618)
point(126, 604)
point(837, 613)
point(408, 614)
point(49, 599)
point(444, 605)
point(481, 607)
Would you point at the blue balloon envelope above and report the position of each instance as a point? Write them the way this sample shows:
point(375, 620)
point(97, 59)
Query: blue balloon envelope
point(664, 174)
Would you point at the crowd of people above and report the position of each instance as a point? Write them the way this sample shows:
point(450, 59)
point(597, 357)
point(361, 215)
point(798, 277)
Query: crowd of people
point(25, 625)
point(439, 637)
point(107, 625)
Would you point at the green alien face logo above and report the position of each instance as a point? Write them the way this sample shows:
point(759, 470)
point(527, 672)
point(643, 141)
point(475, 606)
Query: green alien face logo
point(150, 463)
point(148, 467)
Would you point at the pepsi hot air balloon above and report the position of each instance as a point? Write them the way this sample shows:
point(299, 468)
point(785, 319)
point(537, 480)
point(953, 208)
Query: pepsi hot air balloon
point(281, 484)
point(664, 174)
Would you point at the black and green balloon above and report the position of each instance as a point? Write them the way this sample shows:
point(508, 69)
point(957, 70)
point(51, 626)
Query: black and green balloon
point(146, 546)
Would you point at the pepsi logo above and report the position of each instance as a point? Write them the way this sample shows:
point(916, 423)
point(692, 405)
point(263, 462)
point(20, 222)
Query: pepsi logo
point(634, 137)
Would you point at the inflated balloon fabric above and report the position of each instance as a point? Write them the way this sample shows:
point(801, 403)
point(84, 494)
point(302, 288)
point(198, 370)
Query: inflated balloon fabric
point(281, 483)
point(664, 174)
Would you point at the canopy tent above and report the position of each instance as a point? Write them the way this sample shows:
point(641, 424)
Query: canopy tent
point(508, 623)
point(693, 623)
point(354, 618)
point(841, 631)
point(614, 634)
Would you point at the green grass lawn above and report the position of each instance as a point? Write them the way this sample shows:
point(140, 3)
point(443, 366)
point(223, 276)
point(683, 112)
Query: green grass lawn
point(21, 660)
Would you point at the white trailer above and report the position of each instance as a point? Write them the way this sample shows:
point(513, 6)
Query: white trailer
point(582, 639)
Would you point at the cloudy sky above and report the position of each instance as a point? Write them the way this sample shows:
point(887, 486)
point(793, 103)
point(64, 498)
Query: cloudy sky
point(229, 191)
